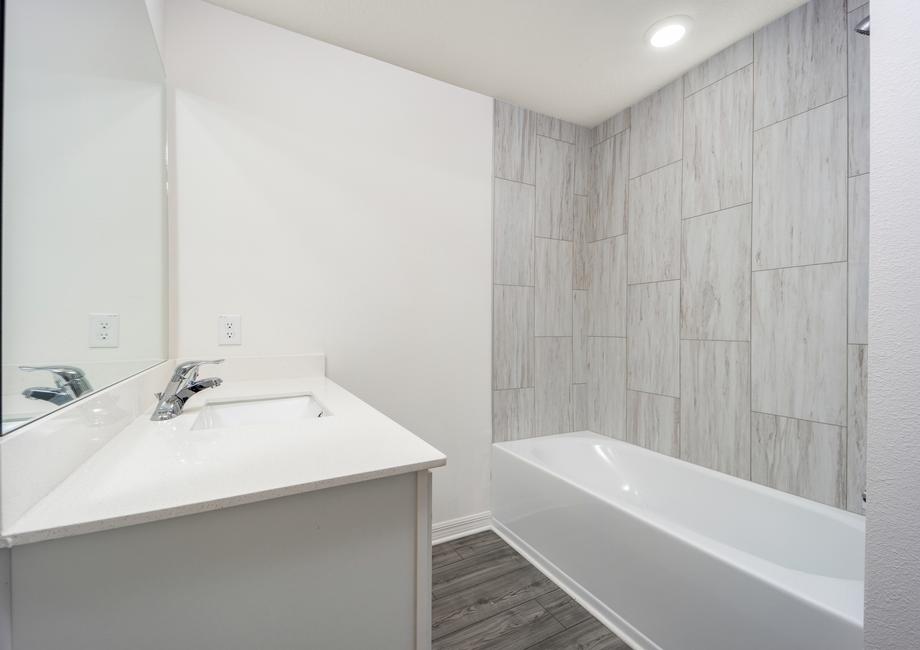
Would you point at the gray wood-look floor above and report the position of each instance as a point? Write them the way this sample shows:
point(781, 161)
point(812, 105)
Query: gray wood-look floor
point(486, 595)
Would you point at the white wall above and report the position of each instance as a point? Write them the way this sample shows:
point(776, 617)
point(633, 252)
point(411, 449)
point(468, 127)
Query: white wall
point(893, 472)
point(157, 11)
point(339, 205)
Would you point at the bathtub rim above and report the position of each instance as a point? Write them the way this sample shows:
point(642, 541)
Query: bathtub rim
point(840, 514)
point(750, 564)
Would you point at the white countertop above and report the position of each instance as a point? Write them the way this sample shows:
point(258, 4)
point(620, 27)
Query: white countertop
point(157, 470)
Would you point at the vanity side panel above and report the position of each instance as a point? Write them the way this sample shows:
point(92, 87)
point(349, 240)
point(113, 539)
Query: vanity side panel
point(332, 569)
point(6, 619)
point(423, 561)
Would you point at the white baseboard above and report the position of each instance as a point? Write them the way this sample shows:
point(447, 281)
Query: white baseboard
point(444, 531)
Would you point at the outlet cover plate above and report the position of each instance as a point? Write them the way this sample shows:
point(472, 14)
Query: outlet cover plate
point(229, 329)
point(104, 330)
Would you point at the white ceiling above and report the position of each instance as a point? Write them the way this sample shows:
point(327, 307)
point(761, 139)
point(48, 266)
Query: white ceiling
point(581, 60)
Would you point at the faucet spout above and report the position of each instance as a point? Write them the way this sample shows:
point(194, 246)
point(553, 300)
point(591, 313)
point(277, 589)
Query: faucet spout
point(198, 386)
point(182, 386)
point(56, 396)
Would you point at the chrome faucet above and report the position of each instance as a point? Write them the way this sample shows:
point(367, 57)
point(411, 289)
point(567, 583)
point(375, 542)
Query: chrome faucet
point(183, 384)
point(70, 383)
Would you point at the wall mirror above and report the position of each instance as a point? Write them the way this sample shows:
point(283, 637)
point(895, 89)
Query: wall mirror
point(84, 201)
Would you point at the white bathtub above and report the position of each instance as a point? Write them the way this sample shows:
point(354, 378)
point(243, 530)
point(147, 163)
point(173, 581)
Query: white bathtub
point(673, 556)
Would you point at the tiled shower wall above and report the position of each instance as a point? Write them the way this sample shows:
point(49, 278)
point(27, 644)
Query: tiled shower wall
point(691, 275)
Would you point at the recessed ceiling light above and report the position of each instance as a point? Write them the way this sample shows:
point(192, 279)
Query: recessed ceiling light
point(669, 31)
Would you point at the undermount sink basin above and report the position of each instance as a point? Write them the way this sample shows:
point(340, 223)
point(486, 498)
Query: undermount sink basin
point(267, 410)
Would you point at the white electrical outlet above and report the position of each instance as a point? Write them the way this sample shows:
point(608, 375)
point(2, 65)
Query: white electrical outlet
point(103, 330)
point(229, 329)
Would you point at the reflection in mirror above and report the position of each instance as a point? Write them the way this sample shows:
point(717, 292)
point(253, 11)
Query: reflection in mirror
point(84, 225)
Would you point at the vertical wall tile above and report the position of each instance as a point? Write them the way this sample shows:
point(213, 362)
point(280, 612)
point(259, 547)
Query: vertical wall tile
point(655, 134)
point(653, 341)
point(554, 287)
point(580, 407)
point(553, 385)
point(803, 458)
point(734, 57)
point(858, 259)
point(553, 127)
point(715, 407)
point(513, 230)
point(512, 337)
point(607, 386)
point(654, 225)
point(755, 159)
point(584, 143)
point(608, 186)
point(515, 144)
point(599, 133)
point(555, 189)
point(612, 125)
point(583, 234)
point(715, 301)
point(800, 61)
point(653, 422)
point(619, 122)
point(580, 336)
point(512, 414)
point(717, 145)
point(857, 407)
point(858, 93)
point(607, 287)
point(799, 343)
point(800, 176)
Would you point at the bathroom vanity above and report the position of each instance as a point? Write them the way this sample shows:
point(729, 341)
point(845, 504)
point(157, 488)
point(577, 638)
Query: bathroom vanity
point(277, 511)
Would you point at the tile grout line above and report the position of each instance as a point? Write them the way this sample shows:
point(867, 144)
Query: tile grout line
point(668, 164)
point(800, 113)
point(795, 266)
point(750, 373)
point(514, 180)
point(725, 76)
point(550, 137)
point(654, 394)
point(492, 278)
point(846, 361)
point(629, 216)
point(639, 284)
point(695, 340)
point(727, 207)
point(519, 286)
point(680, 266)
point(792, 417)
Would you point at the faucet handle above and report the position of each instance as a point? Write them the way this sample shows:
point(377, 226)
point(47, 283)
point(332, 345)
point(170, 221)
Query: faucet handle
point(62, 373)
point(189, 369)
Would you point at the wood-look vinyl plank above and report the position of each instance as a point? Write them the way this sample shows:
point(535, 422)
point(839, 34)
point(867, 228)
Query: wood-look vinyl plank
point(474, 570)
point(589, 635)
point(563, 608)
point(443, 554)
point(478, 543)
point(492, 598)
point(487, 599)
point(517, 628)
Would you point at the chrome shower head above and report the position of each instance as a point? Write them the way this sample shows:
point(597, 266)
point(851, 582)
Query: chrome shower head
point(863, 26)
